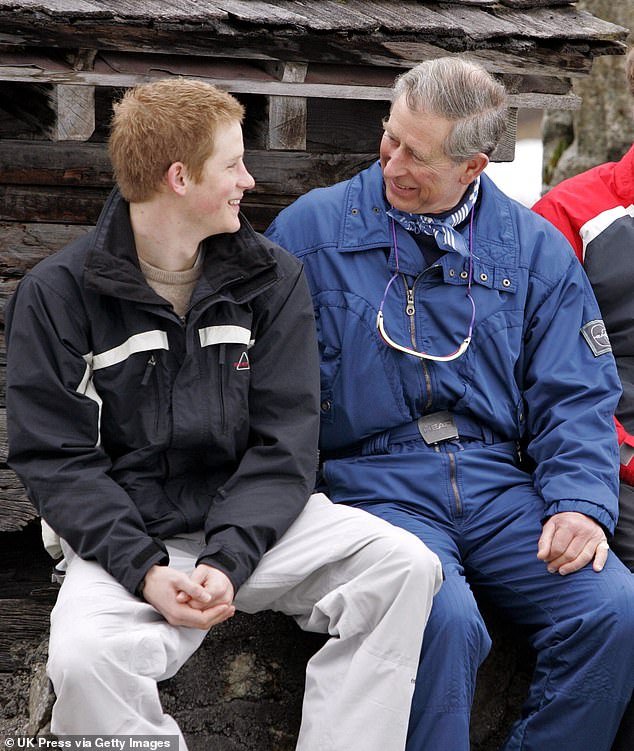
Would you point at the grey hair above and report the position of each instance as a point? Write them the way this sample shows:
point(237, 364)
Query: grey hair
point(462, 92)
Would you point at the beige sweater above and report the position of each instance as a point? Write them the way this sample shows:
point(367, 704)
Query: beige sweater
point(174, 286)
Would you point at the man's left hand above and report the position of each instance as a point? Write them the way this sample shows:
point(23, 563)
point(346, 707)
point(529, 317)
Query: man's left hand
point(569, 541)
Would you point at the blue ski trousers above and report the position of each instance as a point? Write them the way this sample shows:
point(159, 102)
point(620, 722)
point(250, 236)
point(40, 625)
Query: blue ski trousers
point(479, 512)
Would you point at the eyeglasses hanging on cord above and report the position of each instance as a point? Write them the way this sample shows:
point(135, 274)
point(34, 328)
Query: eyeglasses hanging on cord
point(380, 319)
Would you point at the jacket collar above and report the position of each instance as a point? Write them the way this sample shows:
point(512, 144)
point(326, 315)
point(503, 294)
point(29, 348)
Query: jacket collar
point(365, 223)
point(236, 265)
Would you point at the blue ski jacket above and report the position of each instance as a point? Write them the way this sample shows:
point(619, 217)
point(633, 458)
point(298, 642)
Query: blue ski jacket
point(539, 369)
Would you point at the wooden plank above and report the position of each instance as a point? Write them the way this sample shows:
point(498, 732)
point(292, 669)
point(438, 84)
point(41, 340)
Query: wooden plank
point(335, 125)
point(412, 17)
point(254, 10)
point(74, 108)
point(566, 22)
point(86, 165)
point(7, 288)
point(528, 3)
point(287, 115)
point(326, 16)
point(536, 61)
point(75, 7)
point(16, 511)
point(478, 24)
point(482, 3)
point(159, 11)
point(42, 163)
point(3, 433)
point(10, 72)
point(264, 13)
point(3, 380)
point(535, 84)
point(22, 245)
point(239, 86)
point(51, 204)
point(39, 28)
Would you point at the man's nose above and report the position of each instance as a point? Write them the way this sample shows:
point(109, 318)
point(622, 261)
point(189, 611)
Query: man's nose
point(247, 181)
point(393, 162)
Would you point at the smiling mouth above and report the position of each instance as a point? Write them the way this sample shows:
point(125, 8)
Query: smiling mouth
point(397, 186)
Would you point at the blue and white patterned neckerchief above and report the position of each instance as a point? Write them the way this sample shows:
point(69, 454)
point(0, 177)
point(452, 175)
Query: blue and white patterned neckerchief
point(447, 238)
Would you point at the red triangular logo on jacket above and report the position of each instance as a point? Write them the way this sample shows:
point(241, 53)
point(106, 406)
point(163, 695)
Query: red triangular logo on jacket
point(243, 362)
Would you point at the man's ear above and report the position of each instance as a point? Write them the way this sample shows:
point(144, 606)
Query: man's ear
point(474, 167)
point(177, 178)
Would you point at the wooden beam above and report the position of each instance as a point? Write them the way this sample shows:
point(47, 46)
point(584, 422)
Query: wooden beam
point(74, 110)
point(20, 73)
point(16, 510)
point(287, 115)
point(86, 166)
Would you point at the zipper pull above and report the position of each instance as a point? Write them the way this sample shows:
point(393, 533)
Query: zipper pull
point(148, 371)
point(410, 309)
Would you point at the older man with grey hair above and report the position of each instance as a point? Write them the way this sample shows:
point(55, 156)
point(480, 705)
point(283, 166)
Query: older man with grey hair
point(467, 388)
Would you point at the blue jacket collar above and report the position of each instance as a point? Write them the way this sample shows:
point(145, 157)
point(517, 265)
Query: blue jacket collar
point(366, 225)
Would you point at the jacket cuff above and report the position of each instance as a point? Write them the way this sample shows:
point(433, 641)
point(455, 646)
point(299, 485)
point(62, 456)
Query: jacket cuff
point(593, 510)
point(153, 554)
point(220, 559)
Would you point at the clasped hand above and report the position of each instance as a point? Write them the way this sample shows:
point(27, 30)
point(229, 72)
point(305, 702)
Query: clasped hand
point(569, 541)
point(201, 599)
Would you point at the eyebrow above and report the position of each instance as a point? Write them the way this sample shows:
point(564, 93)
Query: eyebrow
point(414, 152)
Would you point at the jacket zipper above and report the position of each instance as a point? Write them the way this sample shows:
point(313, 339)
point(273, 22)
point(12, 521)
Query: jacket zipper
point(147, 375)
point(222, 356)
point(149, 369)
point(410, 310)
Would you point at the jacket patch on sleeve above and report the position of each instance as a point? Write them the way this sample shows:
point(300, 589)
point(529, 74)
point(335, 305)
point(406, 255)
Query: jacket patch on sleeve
point(597, 337)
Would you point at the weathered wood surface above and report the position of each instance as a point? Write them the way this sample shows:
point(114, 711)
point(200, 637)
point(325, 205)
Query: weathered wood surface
point(545, 37)
point(44, 184)
point(16, 510)
point(75, 164)
point(26, 594)
point(341, 82)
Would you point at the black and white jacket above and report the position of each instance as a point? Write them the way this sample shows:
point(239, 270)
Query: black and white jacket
point(128, 425)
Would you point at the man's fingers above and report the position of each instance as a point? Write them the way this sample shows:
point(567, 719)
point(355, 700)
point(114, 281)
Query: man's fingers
point(203, 619)
point(190, 590)
point(569, 563)
point(601, 555)
point(545, 542)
